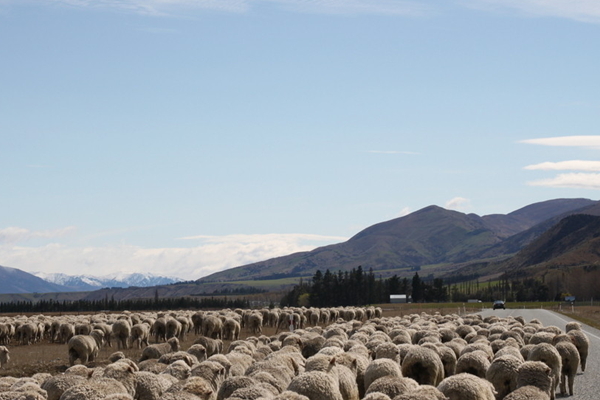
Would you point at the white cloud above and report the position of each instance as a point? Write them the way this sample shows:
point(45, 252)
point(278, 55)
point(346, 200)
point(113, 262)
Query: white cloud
point(458, 204)
point(580, 10)
point(14, 234)
point(574, 180)
point(168, 7)
point(216, 253)
point(405, 211)
point(567, 141)
point(573, 165)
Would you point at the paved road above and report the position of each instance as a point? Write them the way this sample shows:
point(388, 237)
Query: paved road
point(587, 384)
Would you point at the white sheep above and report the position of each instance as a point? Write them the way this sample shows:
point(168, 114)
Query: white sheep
point(160, 349)
point(379, 368)
point(548, 354)
point(4, 356)
point(528, 393)
point(85, 347)
point(392, 386)
point(466, 387)
point(423, 365)
point(570, 364)
point(502, 373)
point(535, 373)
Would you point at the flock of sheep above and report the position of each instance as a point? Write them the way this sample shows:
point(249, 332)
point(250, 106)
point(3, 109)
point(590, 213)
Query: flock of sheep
point(315, 354)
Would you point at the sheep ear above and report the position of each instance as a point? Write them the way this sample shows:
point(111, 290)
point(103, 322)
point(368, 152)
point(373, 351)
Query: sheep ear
point(332, 362)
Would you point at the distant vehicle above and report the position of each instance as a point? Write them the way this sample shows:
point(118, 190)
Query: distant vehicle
point(499, 304)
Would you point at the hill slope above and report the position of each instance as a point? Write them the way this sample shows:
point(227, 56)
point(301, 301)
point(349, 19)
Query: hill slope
point(429, 236)
point(18, 281)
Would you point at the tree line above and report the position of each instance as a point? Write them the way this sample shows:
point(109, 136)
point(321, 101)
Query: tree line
point(168, 303)
point(359, 288)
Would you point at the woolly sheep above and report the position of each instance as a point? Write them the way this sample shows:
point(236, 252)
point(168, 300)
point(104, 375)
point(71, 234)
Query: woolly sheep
point(581, 341)
point(212, 346)
point(149, 386)
point(96, 389)
point(84, 347)
point(198, 351)
point(423, 392)
point(392, 386)
point(570, 364)
point(233, 383)
point(535, 373)
point(121, 330)
point(466, 387)
point(140, 333)
point(316, 385)
point(423, 365)
point(572, 326)
point(474, 362)
point(345, 377)
point(157, 350)
point(548, 354)
point(379, 368)
point(289, 395)
point(212, 372)
point(528, 393)
point(58, 384)
point(502, 373)
point(4, 356)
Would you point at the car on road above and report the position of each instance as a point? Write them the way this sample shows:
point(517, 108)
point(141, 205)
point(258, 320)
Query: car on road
point(499, 304)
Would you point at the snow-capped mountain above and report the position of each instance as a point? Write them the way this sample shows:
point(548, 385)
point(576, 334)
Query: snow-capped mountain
point(82, 283)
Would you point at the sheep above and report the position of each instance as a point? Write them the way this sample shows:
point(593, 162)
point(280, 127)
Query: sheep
point(447, 356)
point(345, 376)
point(212, 327)
point(535, 373)
point(4, 356)
point(179, 369)
point(528, 393)
point(466, 387)
point(548, 354)
point(140, 334)
point(379, 368)
point(94, 389)
point(121, 330)
point(157, 350)
point(581, 341)
point(85, 347)
point(58, 384)
point(149, 386)
point(212, 372)
point(392, 386)
point(474, 362)
point(174, 328)
point(170, 358)
point(423, 365)
point(198, 351)
point(570, 364)
point(572, 326)
point(233, 383)
point(502, 373)
point(423, 392)
point(212, 346)
point(316, 385)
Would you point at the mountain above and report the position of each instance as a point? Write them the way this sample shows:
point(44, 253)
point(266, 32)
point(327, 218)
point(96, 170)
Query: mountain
point(82, 283)
point(18, 281)
point(433, 237)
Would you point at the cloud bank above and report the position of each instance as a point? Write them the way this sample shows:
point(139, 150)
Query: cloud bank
point(212, 254)
point(580, 180)
point(170, 7)
point(458, 204)
point(579, 10)
point(14, 234)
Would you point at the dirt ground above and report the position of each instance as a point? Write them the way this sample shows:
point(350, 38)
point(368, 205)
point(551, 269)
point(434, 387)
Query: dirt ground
point(53, 358)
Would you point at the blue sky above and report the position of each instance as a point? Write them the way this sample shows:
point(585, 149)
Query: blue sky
point(184, 137)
